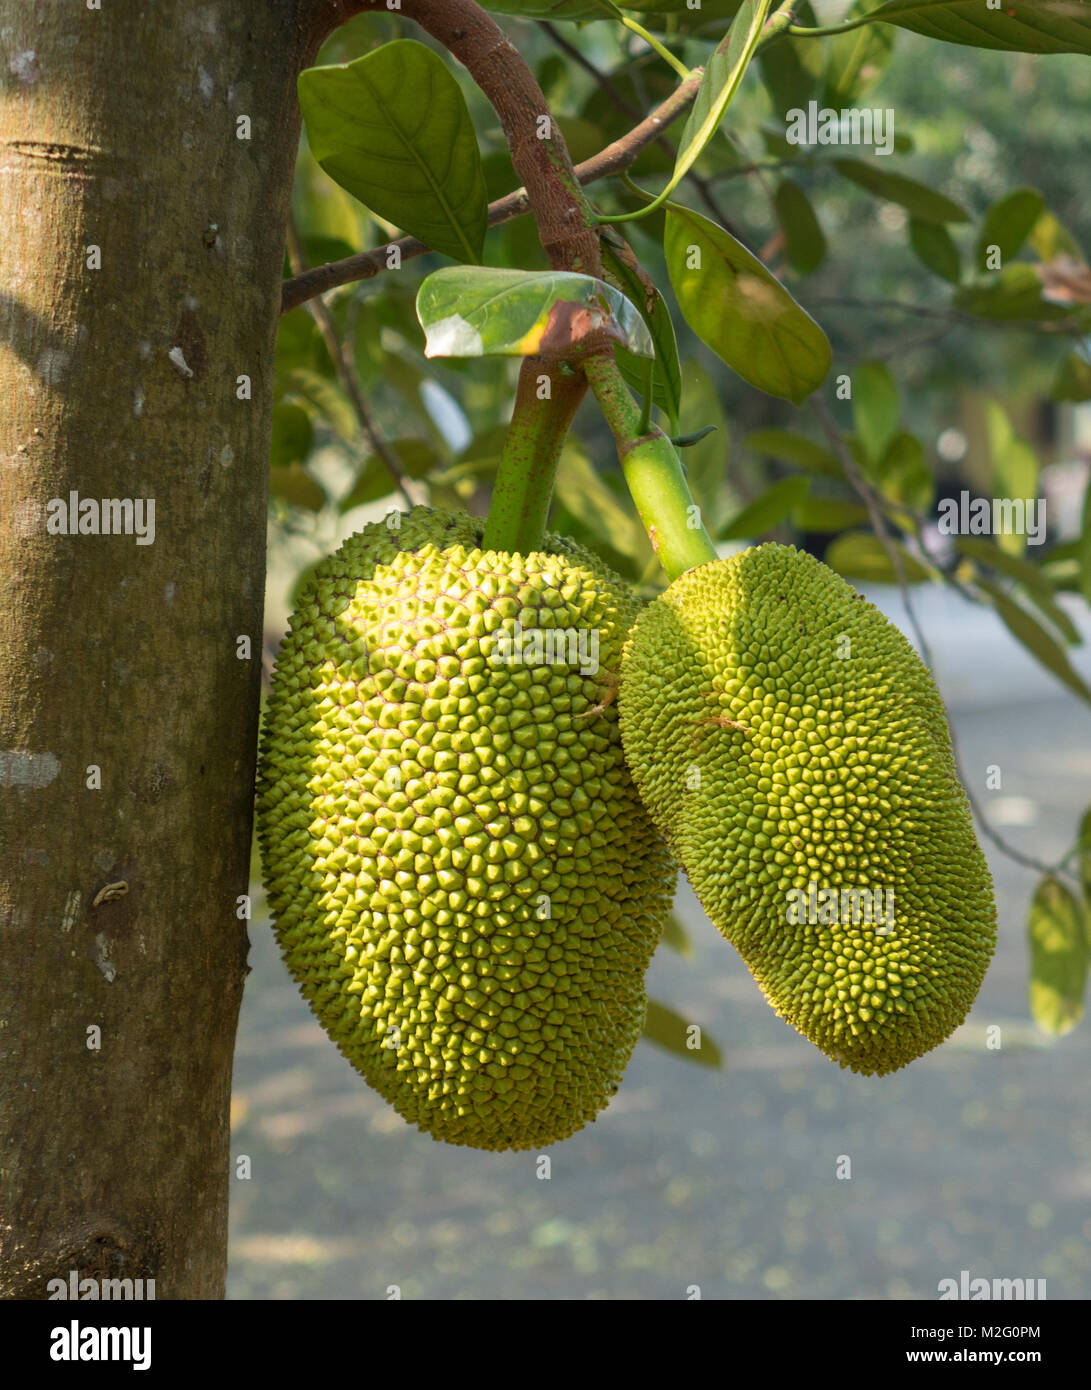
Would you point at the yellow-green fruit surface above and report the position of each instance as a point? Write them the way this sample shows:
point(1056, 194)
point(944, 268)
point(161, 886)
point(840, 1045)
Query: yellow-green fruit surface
point(790, 742)
point(463, 878)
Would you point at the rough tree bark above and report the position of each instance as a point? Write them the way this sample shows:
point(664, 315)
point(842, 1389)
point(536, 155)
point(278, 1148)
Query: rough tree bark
point(122, 955)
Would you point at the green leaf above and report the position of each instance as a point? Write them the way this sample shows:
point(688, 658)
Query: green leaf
point(326, 399)
point(676, 937)
point(1007, 225)
point(862, 555)
point(1013, 293)
point(920, 201)
point(1083, 857)
point(1073, 379)
point(723, 72)
point(583, 493)
point(417, 457)
point(766, 511)
point(790, 68)
point(1084, 550)
point(1050, 238)
point(293, 435)
point(1020, 26)
point(903, 474)
point(478, 311)
point(667, 387)
point(1014, 467)
point(875, 409)
point(795, 449)
point(706, 462)
point(1057, 935)
point(297, 486)
point(1030, 634)
point(856, 59)
point(825, 514)
point(393, 129)
point(669, 1030)
point(741, 311)
point(804, 242)
point(934, 246)
point(1030, 577)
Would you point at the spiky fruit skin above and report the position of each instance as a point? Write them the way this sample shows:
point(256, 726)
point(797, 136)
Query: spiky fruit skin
point(463, 878)
point(783, 733)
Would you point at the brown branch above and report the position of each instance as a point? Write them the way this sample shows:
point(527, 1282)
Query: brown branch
point(344, 364)
point(365, 265)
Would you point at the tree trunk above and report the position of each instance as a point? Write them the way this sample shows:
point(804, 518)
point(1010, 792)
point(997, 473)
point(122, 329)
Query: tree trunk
point(141, 243)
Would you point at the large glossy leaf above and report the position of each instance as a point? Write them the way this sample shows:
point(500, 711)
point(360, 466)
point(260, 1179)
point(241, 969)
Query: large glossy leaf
point(741, 311)
point(766, 511)
point(1058, 958)
point(394, 130)
point(1020, 26)
point(667, 388)
point(922, 202)
point(1031, 634)
point(671, 1031)
point(875, 409)
point(1008, 223)
point(804, 243)
point(479, 311)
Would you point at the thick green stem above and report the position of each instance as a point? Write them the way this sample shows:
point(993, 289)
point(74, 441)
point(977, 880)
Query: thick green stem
point(654, 474)
point(528, 464)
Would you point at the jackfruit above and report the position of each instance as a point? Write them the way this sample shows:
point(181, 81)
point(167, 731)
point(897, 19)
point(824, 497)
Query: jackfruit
point(795, 752)
point(464, 881)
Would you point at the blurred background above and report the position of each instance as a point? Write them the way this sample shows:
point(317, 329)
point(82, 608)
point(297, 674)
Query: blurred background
point(755, 1168)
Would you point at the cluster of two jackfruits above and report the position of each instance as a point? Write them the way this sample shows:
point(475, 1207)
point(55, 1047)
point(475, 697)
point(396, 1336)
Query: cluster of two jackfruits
point(470, 842)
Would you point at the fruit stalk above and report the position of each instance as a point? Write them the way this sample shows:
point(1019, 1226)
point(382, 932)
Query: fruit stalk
point(528, 463)
point(654, 474)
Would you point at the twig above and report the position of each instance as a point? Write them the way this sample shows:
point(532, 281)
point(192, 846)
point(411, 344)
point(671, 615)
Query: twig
point(700, 183)
point(365, 265)
point(344, 364)
point(863, 490)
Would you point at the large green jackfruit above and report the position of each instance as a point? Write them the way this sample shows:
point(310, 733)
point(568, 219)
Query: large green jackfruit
point(794, 750)
point(463, 878)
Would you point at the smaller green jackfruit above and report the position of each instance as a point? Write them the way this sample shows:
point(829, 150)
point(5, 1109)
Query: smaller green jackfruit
point(794, 750)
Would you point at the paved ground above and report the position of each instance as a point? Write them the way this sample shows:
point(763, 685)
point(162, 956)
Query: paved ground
point(969, 1159)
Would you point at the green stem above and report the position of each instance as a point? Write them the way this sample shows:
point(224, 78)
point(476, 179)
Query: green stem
point(528, 464)
point(654, 475)
point(799, 31)
point(652, 42)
